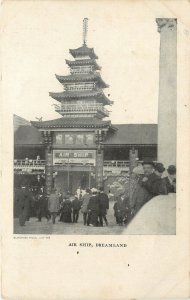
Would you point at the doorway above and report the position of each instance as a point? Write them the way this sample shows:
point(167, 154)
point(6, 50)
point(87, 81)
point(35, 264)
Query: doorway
point(71, 180)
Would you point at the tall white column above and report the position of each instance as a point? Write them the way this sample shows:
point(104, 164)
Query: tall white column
point(167, 104)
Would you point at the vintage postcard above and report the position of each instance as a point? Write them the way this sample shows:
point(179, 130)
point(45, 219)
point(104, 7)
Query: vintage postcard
point(95, 149)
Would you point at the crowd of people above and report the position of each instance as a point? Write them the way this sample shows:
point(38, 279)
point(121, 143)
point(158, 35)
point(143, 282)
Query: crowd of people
point(146, 182)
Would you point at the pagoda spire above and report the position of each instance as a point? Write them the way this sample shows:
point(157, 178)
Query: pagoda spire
point(85, 30)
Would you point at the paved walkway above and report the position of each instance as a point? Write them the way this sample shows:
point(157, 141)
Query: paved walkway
point(44, 227)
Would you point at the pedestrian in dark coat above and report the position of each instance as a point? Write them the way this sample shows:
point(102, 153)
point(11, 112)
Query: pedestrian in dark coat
point(154, 184)
point(93, 208)
point(139, 195)
point(84, 207)
point(103, 206)
point(66, 210)
point(170, 181)
point(24, 198)
point(76, 205)
point(53, 204)
point(120, 210)
point(42, 207)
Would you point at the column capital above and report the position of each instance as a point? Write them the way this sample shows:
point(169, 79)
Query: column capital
point(163, 22)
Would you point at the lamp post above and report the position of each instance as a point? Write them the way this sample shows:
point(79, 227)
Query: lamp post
point(90, 178)
point(68, 177)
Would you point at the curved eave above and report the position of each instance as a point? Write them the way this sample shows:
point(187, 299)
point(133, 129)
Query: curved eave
point(72, 79)
point(99, 97)
point(83, 62)
point(78, 53)
point(43, 126)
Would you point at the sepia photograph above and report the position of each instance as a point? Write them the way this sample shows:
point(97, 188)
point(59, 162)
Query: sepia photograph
point(89, 170)
point(95, 149)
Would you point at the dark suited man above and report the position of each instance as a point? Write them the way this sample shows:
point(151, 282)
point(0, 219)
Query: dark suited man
point(24, 198)
point(42, 207)
point(93, 208)
point(76, 205)
point(153, 183)
point(103, 206)
point(170, 181)
point(140, 195)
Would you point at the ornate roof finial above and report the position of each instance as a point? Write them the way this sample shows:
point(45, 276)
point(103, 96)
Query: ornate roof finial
point(85, 29)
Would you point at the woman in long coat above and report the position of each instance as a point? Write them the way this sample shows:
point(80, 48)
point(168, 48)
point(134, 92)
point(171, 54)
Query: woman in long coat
point(66, 211)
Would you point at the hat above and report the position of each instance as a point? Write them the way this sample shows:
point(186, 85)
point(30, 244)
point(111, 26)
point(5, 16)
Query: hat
point(148, 162)
point(171, 169)
point(94, 190)
point(138, 170)
point(159, 167)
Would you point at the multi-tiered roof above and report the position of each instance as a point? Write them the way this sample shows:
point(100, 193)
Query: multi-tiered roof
point(83, 98)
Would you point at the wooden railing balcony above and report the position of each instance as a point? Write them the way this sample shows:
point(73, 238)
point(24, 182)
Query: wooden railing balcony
point(81, 108)
point(120, 165)
point(29, 164)
point(117, 166)
point(116, 163)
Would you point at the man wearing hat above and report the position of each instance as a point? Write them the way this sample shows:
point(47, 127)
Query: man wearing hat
point(153, 183)
point(24, 197)
point(93, 208)
point(76, 205)
point(104, 206)
point(170, 181)
point(84, 208)
point(139, 195)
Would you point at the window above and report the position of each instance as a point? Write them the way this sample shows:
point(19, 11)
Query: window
point(80, 86)
point(59, 138)
point(89, 139)
point(69, 139)
point(81, 70)
point(80, 139)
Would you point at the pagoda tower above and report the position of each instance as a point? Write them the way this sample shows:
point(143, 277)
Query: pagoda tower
point(82, 107)
point(83, 95)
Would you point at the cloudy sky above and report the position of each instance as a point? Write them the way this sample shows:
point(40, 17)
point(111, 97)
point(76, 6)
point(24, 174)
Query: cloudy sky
point(37, 38)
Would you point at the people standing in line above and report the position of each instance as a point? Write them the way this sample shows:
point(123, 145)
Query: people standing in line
point(66, 210)
point(53, 204)
point(170, 181)
point(76, 205)
point(24, 197)
point(84, 207)
point(93, 208)
point(153, 183)
point(103, 206)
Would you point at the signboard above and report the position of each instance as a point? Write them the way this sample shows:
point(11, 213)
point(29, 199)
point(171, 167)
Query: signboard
point(82, 157)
